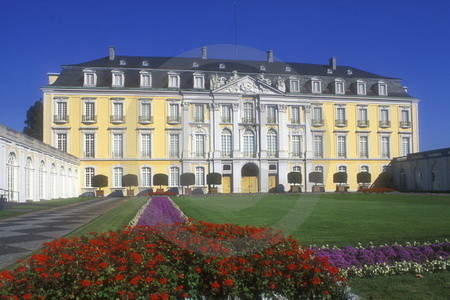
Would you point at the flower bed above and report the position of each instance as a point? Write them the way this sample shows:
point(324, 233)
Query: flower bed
point(389, 260)
point(175, 262)
point(154, 194)
point(160, 210)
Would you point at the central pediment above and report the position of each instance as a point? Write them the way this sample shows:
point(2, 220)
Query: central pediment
point(249, 86)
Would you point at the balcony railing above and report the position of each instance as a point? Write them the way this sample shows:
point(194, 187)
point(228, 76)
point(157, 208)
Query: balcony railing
point(317, 122)
point(174, 154)
point(318, 155)
point(173, 119)
point(249, 154)
point(60, 118)
point(342, 154)
point(117, 119)
point(199, 119)
point(198, 154)
point(363, 154)
point(271, 120)
point(145, 119)
point(146, 154)
point(340, 123)
point(248, 120)
point(405, 124)
point(272, 154)
point(117, 154)
point(226, 119)
point(363, 123)
point(295, 121)
point(385, 124)
point(89, 154)
point(296, 154)
point(225, 154)
point(385, 155)
point(89, 118)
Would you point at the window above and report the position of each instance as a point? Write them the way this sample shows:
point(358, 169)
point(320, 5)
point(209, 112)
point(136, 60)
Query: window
point(226, 113)
point(248, 113)
point(297, 169)
point(342, 146)
point(61, 112)
point(316, 86)
point(295, 115)
point(12, 176)
point(62, 141)
point(317, 116)
point(363, 146)
point(365, 169)
point(342, 169)
point(146, 79)
point(249, 143)
point(320, 170)
point(174, 113)
point(117, 78)
point(117, 176)
point(271, 114)
point(294, 85)
point(146, 113)
point(339, 87)
point(221, 66)
point(199, 113)
point(296, 150)
point(28, 179)
point(385, 147)
point(199, 81)
point(123, 62)
point(405, 122)
point(262, 68)
point(90, 78)
point(340, 116)
point(226, 143)
point(272, 143)
point(361, 87)
point(89, 145)
point(117, 116)
point(146, 177)
point(199, 145)
point(382, 88)
point(146, 145)
point(89, 172)
point(117, 145)
point(384, 117)
point(174, 146)
point(362, 117)
point(174, 176)
point(89, 112)
point(145, 63)
point(174, 80)
point(199, 176)
point(405, 145)
point(42, 182)
point(318, 146)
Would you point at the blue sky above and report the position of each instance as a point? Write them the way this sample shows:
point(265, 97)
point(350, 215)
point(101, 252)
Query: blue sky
point(403, 39)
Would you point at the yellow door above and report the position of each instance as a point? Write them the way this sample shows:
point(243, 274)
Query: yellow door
point(272, 182)
point(249, 184)
point(226, 184)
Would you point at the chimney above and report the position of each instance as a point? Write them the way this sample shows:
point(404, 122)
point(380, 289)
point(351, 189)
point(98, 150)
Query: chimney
point(112, 53)
point(204, 52)
point(270, 56)
point(333, 63)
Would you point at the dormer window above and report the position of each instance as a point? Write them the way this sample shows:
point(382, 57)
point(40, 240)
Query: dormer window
point(382, 88)
point(146, 79)
point(316, 85)
point(221, 66)
point(174, 80)
point(288, 69)
point(118, 78)
point(361, 87)
point(195, 64)
point(90, 78)
point(349, 72)
point(339, 87)
point(123, 62)
point(262, 68)
point(145, 63)
point(294, 84)
point(199, 81)
point(329, 71)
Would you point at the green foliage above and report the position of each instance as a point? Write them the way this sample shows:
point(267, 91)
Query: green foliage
point(187, 179)
point(363, 177)
point(294, 177)
point(160, 179)
point(340, 177)
point(100, 181)
point(316, 177)
point(130, 180)
point(214, 178)
point(34, 121)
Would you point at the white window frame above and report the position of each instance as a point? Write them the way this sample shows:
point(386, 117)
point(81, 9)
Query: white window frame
point(295, 117)
point(200, 180)
point(145, 153)
point(409, 137)
point(172, 116)
point(88, 183)
point(360, 143)
point(271, 114)
point(272, 143)
point(296, 151)
point(174, 181)
point(294, 84)
point(117, 153)
point(88, 115)
point(150, 179)
point(118, 78)
point(173, 80)
point(115, 180)
point(316, 85)
point(341, 153)
point(339, 87)
point(226, 142)
point(382, 88)
point(247, 146)
point(89, 150)
point(319, 154)
point(364, 168)
point(362, 122)
point(199, 113)
point(199, 81)
point(361, 87)
point(389, 154)
point(226, 113)
point(171, 151)
point(90, 78)
point(145, 79)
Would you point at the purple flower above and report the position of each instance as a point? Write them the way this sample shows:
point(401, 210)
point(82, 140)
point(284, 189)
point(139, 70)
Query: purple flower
point(160, 211)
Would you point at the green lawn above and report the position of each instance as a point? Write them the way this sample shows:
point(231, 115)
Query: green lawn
point(335, 219)
point(17, 209)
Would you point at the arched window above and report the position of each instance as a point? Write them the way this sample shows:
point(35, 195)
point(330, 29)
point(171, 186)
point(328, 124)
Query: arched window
point(272, 143)
point(146, 179)
point(199, 176)
point(249, 143)
point(89, 172)
point(53, 181)
point(248, 113)
point(62, 177)
point(297, 169)
point(11, 170)
point(29, 179)
point(417, 178)
point(342, 169)
point(42, 180)
point(364, 168)
point(174, 176)
point(117, 176)
point(226, 143)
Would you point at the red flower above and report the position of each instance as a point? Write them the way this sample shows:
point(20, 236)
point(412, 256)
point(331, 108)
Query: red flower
point(135, 280)
point(27, 296)
point(315, 280)
point(215, 284)
point(163, 280)
point(85, 283)
point(228, 282)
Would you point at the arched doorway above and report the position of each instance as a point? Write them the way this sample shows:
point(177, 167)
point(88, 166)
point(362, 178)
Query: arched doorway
point(250, 182)
point(402, 183)
point(11, 177)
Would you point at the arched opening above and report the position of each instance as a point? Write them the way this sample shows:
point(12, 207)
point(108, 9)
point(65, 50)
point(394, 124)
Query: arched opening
point(250, 182)
point(435, 177)
point(29, 179)
point(402, 183)
point(42, 180)
point(11, 177)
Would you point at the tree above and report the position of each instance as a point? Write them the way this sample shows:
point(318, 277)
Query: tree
point(99, 181)
point(214, 179)
point(34, 121)
point(295, 178)
point(340, 177)
point(160, 179)
point(129, 180)
point(316, 177)
point(187, 179)
point(363, 178)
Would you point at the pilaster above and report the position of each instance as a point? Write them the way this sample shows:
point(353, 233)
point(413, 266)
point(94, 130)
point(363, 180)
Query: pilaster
point(236, 136)
point(264, 176)
point(282, 131)
point(308, 142)
point(186, 129)
point(263, 132)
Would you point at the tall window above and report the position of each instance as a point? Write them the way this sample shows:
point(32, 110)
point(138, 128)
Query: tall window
point(339, 87)
point(146, 112)
point(296, 148)
point(248, 113)
point(272, 143)
point(117, 176)
point(384, 117)
point(174, 80)
point(199, 147)
point(146, 79)
point(89, 112)
point(89, 145)
point(174, 146)
point(146, 145)
point(199, 176)
point(316, 86)
point(174, 112)
point(382, 88)
point(199, 113)
point(226, 143)
point(294, 85)
point(28, 179)
point(61, 112)
point(342, 146)
point(340, 116)
point(12, 173)
point(174, 176)
point(42, 180)
point(317, 116)
point(90, 78)
point(271, 114)
point(62, 141)
point(318, 146)
point(385, 147)
point(89, 172)
point(295, 115)
point(146, 176)
point(117, 145)
point(360, 87)
point(363, 116)
point(363, 146)
point(405, 145)
point(249, 143)
point(226, 113)
point(117, 112)
point(117, 79)
point(405, 122)
point(199, 81)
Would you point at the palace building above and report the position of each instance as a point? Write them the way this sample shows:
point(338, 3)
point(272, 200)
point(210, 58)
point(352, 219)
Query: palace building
point(251, 121)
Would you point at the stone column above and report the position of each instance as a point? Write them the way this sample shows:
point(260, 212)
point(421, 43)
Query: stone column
point(237, 178)
point(186, 130)
point(308, 140)
point(263, 131)
point(282, 131)
point(264, 176)
point(3, 163)
point(215, 131)
point(236, 138)
point(283, 170)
